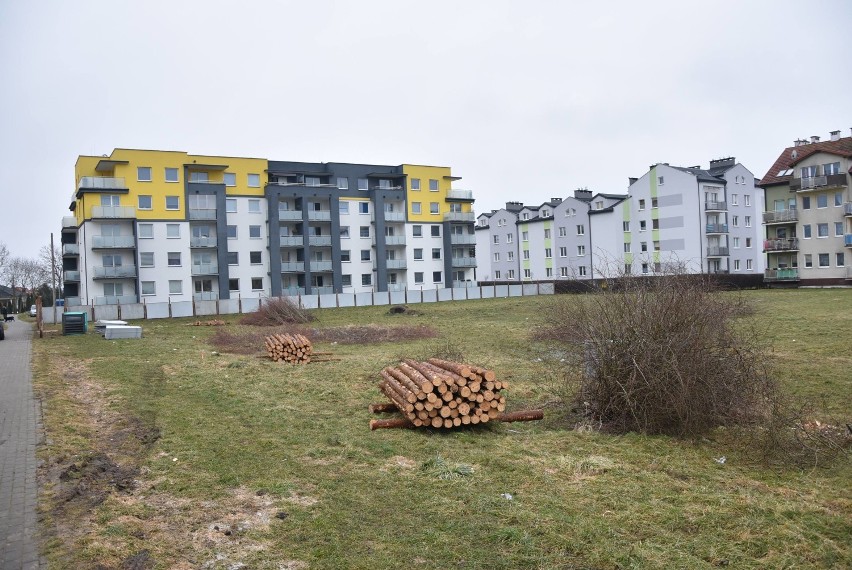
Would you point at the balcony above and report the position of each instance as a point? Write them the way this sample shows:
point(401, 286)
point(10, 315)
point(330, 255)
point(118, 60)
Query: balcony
point(790, 244)
point(113, 242)
point(320, 266)
point(717, 271)
point(847, 240)
point(396, 286)
point(112, 212)
point(319, 215)
point(71, 276)
point(781, 216)
point(459, 196)
point(114, 272)
point(322, 290)
point(717, 251)
point(115, 300)
point(70, 249)
point(205, 269)
point(847, 209)
point(69, 222)
point(392, 240)
point(818, 183)
point(203, 241)
point(205, 296)
point(202, 213)
point(319, 241)
point(290, 215)
point(102, 183)
point(717, 228)
point(292, 241)
point(395, 263)
point(464, 261)
point(463, 284)
point(73, 301)
point(712, 206)
point(462, 239)
point(786, 274)
point(293, 267)
point(394, 216)
point(292, 291)
point(459, 217)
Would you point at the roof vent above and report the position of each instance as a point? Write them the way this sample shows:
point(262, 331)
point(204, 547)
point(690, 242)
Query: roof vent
point(835, 135)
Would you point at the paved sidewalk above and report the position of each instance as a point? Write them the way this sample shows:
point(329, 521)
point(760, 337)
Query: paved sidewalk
point(20, 426)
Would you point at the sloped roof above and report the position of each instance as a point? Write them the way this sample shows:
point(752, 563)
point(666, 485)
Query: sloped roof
point(841, 147)
point(703, 175)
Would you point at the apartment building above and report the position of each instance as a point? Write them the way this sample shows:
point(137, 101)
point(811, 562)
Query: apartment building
point(808, 213)
point(155, 225)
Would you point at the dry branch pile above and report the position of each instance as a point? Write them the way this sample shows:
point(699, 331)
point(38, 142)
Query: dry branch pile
point(292, 348)
point(441, 394)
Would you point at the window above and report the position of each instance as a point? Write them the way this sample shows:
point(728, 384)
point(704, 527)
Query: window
point(526, 253)
point(735, 221)
point(233, 258)
point(625, 226)
point(599, 205)
point(581, 230)
point(546, 234)
point(418, 278)
point(806, 231)
point(510, 274)
point(525, 216)
point(198, 177)
point(418, 254)
point(525, 236)
point(644, 246)
point(582, 271)
point(809, 260)
point(345, 256)
point(563, 252)
point(746, 197)
point(343, 207)
point(143, 173)
point(146, 259)
point(661, 180)
point(653, 202)
point(416, 208)
point(747, 221)
point(172, 231)
point(171, 174)
point(809, 171)
point(254, 180)
point(806, 202)
point(111, 260)
point(562, 231)
point(839, 259)
point(256, 283)
point(233, 284)
point(736, 265)
point(656, 246)
point(641, 204)
point(436, 253)
point(363, 207)
point(366, 279)
point(146, 231)
point(510, 238)
point(748, 242)
point(822, 201)
point(831, 168)
point(433, 207)
point(433, 185)
point(735, 201)
point(545, 213)
point(231, 232)
point(175, 287)
point(254, 232)
point(365, 255)
point(415, 184)
point(527, 274)
point(174, 259)
point(563, 272)
point(344, 232)
point(655, 224)
point(343, 184)
point(231, 205)
point(581, 250)
point(642, 225)
point(510, 256)
point(436, 277)
point(548, 253)
point(148, 288)
point(364, 231)
point(346, 280)
point(254, 206)
point(496, 240)
point(436, 231)
point(172, 202)
point(417, 231)
point(822, 230)
point(457, 208)
point(145, 202)
point(497, 275)
point(823, 260)
point(110, 200)
point(645, 268)
point(627, 247)
point(838, 229)
point(113, 289)
point(736, 243)
point(230, 179)
point(312, 181)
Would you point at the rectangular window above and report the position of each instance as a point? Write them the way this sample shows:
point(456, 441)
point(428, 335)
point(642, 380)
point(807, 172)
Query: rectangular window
point(436, 231)
point(822, 230)
point(656, 246)
point(172, 231)
point(823, 260)
point(527, 274)
point(436, 277)
point(581, 250)
point(110, 200)
point(806, 231)
point(645, 268)
point(526, 254)
point(201, 177)
point(748, 243)
point(840, 259)
point(233, 257)
point(822, 201)
point(363, 207)
point(436, 253)
point(148, 288)
point(256, 283)
point(496, 256)
point(254, 180)
point(346, 280)
point(581, 230)
point(233, 284)
point(433, 207)
point(174, 259)
point(312, 181)
point(599, 205)
point(171, 174)
point(496, 240)
point(416, 208)
point(343, 184)
point(146, 231)
point(254, 206)
point(231, 205)
point(653, 202)
point(525, 236)
point(254, 232)
point(655, 224)
point(417, 230)
point(736, 265)
point(143, 173)
point(838, 229)
point(748, 221)
point(175, 287)
point(510, 238)
point(255, 257)
point(809, 260)
point(661, 180)
point(345, 256)
point(562, 231)
point(366, 279)
point(343, 207)
point(736, 243)
point(548, 253)
point(625, 226)
point(747, 199)
point(582, 271)
point(231, 232)
point(364, 231)
point(735, 201)
point(806, 202)
point(642, 225)
point(418, 254)
point(145, 202)
point(831, 168)
point(172, 202)
point(563, 252)
point(838, 198)
point(563, 272)
point(627, 247)
point(433, 185)
point(365, 255)
point(809, 171)
point(418, 277)
point(735, 221)
point(146, 259)
point(644, 246)
point(510, 256)
point(363, 184)
point(344, 232)
point(641, 204)
point(230, 179)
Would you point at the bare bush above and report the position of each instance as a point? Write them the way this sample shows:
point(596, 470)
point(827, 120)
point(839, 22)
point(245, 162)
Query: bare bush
point(277, 311)
point(662, 356)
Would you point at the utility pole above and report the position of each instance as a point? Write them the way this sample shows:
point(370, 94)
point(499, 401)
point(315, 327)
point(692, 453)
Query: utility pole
point(53, 275)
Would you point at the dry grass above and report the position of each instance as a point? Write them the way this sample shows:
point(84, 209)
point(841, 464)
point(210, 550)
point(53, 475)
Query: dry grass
point(277, 311)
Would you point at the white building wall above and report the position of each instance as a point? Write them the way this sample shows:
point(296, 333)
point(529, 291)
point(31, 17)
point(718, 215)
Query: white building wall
point(244, 245)
point(160, 245)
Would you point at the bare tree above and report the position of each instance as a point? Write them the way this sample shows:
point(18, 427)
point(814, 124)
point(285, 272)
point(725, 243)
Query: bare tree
point(51, 266)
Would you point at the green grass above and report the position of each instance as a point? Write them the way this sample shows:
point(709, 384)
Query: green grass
point(239, 425)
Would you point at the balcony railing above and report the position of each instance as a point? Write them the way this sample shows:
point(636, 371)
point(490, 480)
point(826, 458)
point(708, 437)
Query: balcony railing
point(781, 216)
point(203, 241)
point(289, 214)
point(320, 266)
point(395, 263)
point(717, 271)
point(72, 276)
point(115, 272)
point(717, 206)
point(113, 212)
point(817, 182)
point(322, 290)
point(69, 222)
point(786, 274)
point(319, 241)
point(463, 284)
point(202, 213)
point(396, 286)
point(464, 262)
point(791, 244)
point(293, 267)
point(204, 269)
point(394, 216)
point(459, 217)
point(386, 188)
point(717, 228)
point(847, 240)
point(319, 215)
point(847, 209)
point(462, 239)
point(73, 301)
point(717, 251)
point(115, 300)
point(466, 195)
point(70, 249)
point(114, 242)
point(292, 241)
point(205, 296)
point(292, 291)
point(102, 183)
point(392, 240)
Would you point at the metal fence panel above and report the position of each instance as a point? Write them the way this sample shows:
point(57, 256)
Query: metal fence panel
point(158, 310)
point(182, 309)
point(205, 308)
point(328, 301)
point(132, 312)
point(516, 290)
point(346, 299)
point(430, 295)
point(106, 312)
point(309, 301)
point(381, 298)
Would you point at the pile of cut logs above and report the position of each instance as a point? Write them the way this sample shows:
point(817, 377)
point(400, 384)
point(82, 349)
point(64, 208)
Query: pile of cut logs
point(292, 348)
point(443, 394)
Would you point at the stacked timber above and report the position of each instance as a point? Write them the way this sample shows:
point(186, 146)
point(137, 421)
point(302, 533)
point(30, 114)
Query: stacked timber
point(443, 394)
point(292, 348)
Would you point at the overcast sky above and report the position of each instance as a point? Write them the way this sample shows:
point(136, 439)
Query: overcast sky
point(525, 100)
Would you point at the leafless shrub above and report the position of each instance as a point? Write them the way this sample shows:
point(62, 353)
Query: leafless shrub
point(662, 356)
point(277, 311)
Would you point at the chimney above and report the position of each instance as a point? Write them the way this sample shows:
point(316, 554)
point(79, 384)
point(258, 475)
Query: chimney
point(835, 135)
point(631, 181)
point(814, 139)
point(583, 194)
point(799, 142)
point(555, 200)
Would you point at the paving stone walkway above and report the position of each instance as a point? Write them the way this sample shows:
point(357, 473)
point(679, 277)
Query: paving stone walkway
point(20, 429)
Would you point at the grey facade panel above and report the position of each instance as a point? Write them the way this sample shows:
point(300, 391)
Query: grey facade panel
point(671, 223)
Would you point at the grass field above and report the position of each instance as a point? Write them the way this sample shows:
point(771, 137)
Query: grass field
point(164, 454)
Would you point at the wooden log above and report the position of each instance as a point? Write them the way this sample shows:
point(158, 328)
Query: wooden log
point(489, 375)
point(400, 402)
point(382, 408)
point(436, 379)
point(425, 384)
point(403, 392)
point(521, 416)
point(460, 369)
point(391, 423)
point(406, 381)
